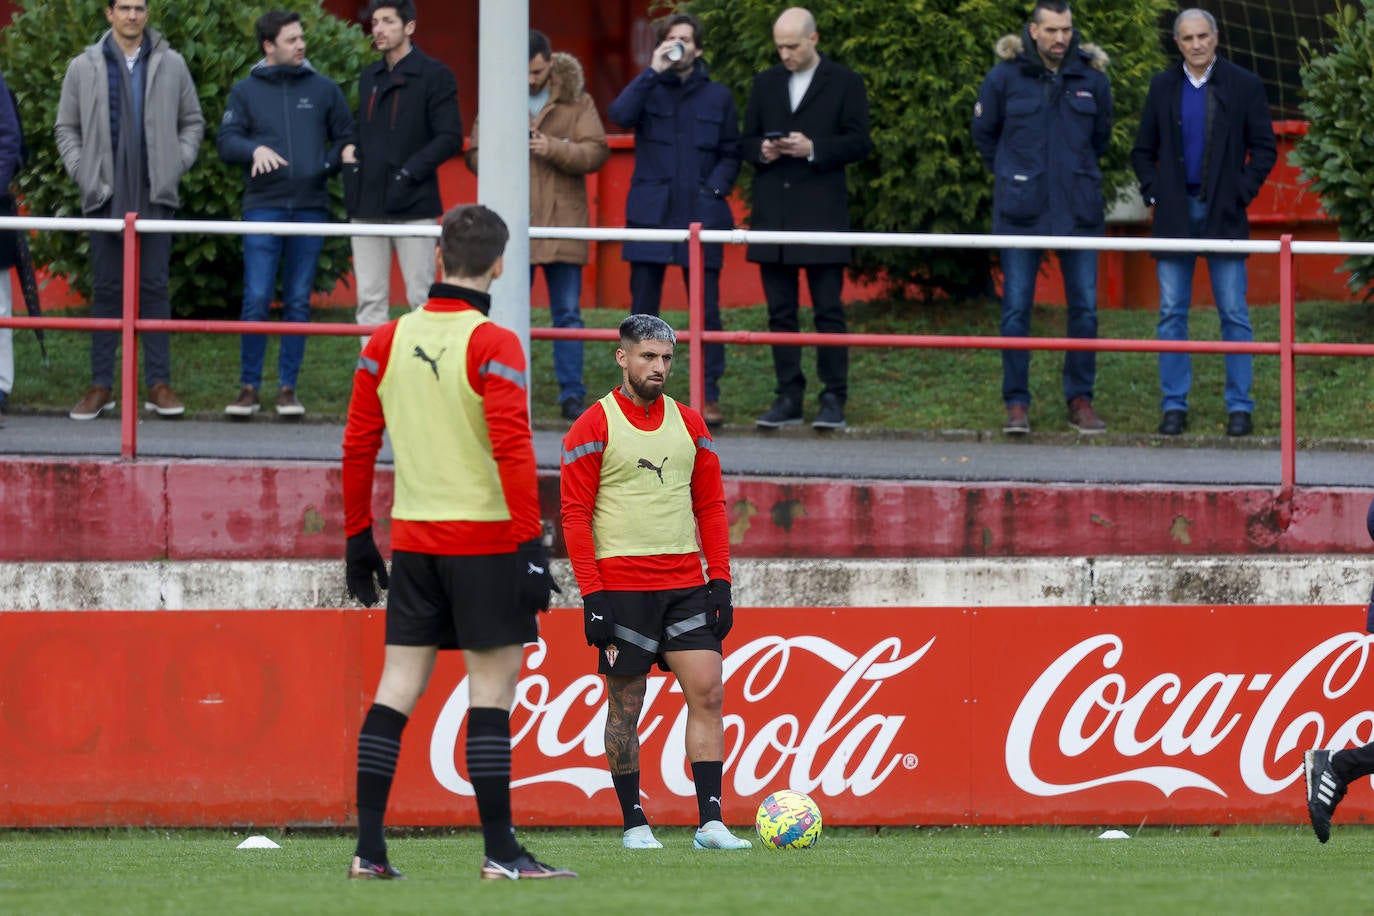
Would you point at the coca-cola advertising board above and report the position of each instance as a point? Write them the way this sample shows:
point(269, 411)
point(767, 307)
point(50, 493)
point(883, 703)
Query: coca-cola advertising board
point(884, 715)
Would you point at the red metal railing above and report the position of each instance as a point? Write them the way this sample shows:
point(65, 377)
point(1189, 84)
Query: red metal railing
point(1286, 348)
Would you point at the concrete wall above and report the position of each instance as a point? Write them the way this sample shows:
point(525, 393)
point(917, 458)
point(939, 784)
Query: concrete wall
point(840, 583)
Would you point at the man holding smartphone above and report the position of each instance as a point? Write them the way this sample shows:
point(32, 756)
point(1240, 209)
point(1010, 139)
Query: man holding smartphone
point(806, 120)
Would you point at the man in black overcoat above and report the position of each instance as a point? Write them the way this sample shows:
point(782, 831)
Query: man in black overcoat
point(806, 120)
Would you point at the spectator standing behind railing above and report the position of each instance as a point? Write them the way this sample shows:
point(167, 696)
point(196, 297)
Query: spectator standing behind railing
point(1203, 150)
point(687, 156)
point(567, 143)
point(283, 107)
point(807, 118)
point(128, 127)
point(1042, 123)
point(11, 146)
point(408, 125)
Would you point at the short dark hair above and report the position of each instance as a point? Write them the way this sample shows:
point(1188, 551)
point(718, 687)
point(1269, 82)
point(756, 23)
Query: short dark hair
point(473, 237)
point(539, 45)
point(271, 23)
point(663, 26)
point(639, 328)
point(404, 8)
point(1054, 6)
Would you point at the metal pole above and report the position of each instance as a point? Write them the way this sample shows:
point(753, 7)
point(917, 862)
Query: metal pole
point(696, 318)
point(128, 367)
point(503, 183)
point(1288, 420)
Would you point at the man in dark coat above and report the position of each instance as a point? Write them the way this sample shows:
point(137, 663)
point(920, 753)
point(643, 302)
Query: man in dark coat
point(408, 125)
point(1203, 150)
point(1042, 123)
point(687, 155)
point(807, 118)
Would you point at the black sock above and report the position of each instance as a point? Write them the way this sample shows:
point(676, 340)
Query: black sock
point(488, 756)
point(627, 790)
point(707, 776)
point(379, 744)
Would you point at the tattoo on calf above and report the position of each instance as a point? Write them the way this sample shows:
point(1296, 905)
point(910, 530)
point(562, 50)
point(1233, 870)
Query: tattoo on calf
point(625, 701)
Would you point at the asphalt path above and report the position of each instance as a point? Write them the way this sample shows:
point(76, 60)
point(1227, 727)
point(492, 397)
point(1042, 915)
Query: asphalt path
point(795, 452)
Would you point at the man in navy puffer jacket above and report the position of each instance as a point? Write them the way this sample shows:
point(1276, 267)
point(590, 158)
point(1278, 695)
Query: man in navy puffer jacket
point(687, 155)
point(286, 124)
point(1042, 122)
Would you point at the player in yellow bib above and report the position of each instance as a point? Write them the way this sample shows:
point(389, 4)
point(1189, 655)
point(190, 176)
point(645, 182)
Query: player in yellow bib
point(640, 483)
point(468, 569)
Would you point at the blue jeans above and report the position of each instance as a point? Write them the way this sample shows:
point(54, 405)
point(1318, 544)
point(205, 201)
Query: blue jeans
point(1175, 297)
point(565, 286)
point(1019, 269)
point(298, 256)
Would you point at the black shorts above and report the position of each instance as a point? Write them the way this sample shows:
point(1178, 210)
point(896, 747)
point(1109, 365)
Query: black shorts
point(648, 624)
point(456, 602)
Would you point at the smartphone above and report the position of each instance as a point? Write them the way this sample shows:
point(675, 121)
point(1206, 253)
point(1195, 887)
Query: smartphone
point(773, 135)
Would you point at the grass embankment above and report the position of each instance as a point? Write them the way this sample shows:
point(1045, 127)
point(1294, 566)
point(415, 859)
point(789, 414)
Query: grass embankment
point(890, 389)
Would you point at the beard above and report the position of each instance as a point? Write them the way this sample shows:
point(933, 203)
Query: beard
point(644, 387)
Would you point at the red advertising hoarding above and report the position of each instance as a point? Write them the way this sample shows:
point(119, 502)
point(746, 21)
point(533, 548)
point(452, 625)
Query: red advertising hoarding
point(884, 715)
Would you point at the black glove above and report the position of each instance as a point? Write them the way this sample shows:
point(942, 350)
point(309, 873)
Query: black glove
point(719, 610)
point(597, 623)
point(535, 581)
point(362, 560)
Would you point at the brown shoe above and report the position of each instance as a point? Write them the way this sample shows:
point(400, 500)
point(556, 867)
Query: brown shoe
point(247, 403)
point(1082, 418)
point(287, 405)
point(1018, 420)
point(163, 402)
point(712, 414)
point(98, 400)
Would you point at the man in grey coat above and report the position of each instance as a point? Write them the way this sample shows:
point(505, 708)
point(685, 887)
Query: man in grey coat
point(128, 127)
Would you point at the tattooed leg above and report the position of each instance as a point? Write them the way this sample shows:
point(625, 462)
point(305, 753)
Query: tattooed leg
point(624, 703)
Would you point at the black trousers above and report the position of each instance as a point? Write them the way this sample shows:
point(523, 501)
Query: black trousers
point(107, 301)
point(646, 294)
point(781, 287)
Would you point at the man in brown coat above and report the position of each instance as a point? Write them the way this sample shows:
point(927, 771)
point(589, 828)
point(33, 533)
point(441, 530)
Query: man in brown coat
point(567, 143)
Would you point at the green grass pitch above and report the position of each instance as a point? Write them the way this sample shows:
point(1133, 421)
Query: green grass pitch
point(1232, 869)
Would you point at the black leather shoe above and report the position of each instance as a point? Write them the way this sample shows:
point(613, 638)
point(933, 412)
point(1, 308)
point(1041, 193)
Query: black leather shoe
point(1238, 424)
point(1174, 423)
point(831, 415)
point(571, 408)
point(784, 412)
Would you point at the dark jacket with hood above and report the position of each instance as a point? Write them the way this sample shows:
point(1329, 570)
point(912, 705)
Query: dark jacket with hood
point(687, 155)
point(301, 115)
point(408, 125)
point(1238, 152)
point(1042, 135)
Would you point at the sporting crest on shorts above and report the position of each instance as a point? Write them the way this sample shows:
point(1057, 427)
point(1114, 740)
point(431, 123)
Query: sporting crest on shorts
point(612, 653)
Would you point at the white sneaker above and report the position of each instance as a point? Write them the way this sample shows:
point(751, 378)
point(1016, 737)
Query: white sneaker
point(640, 837)
point(714, 835)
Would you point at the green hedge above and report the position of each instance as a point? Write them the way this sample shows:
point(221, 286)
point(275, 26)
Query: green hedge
point(218, 43)
point(923, 61)
point(1337, 153)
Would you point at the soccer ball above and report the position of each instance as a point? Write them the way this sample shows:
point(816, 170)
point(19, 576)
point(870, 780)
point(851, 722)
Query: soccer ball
point(788, 820)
